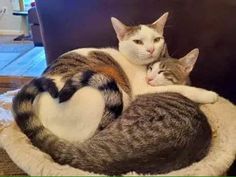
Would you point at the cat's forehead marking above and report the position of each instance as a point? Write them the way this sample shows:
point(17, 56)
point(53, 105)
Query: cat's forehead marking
point(131, 31)
point(143, 32)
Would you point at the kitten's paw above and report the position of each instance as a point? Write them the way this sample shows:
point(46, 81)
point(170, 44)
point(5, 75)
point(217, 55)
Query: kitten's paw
point(209, 97)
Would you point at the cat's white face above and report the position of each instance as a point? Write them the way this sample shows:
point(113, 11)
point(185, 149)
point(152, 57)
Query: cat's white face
point(144, 47)
point(141, 44)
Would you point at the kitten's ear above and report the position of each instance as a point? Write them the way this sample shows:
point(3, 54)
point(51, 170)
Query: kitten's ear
point(119, 28)
point(159, 24)
point(189, 60)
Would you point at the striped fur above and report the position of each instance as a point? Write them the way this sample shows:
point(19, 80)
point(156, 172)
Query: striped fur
point(72, 63)
point(96, 68)
point(108, 88)
point(23, 104)
point(71, 67)
point(147, 139)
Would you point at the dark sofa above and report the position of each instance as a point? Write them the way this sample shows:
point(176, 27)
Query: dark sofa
point(35, 27)
point(207, 24)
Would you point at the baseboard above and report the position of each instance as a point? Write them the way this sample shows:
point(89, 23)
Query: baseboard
point(10, 32)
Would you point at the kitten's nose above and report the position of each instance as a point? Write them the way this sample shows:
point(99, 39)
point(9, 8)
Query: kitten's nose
point(148, 79)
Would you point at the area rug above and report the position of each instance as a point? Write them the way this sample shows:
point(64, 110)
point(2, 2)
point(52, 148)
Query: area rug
point(7, 166)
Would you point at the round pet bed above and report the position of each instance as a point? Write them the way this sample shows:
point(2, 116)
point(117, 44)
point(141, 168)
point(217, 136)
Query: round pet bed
point(221, 115)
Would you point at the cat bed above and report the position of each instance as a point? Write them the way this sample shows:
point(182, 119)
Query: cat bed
point(221, 115)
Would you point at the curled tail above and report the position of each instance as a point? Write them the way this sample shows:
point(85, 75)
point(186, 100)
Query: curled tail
point(107, 87)
point(23, 104)
point(62, 151)
point(30, 124)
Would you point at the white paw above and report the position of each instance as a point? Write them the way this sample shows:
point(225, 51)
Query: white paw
point(208, 97)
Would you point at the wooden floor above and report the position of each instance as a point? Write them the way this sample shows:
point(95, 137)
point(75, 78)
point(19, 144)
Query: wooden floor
point(20, 58)
point(12, 82)
point(31, 64)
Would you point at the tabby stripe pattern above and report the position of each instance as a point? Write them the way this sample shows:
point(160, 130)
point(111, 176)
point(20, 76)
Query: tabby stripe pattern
point(23, 105)
point(72, 63)
point(108, 88)
point(131, 139)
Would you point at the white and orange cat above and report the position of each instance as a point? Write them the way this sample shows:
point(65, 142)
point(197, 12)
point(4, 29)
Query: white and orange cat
point(78, 118)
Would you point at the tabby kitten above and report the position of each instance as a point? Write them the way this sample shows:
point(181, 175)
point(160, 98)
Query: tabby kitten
point(156, 134)
point(170, 70)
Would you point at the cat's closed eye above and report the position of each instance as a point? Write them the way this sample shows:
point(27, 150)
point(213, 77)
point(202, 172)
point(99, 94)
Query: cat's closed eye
point(161, 71)
point(149, 68)
point(136, 41)
point(171, 79)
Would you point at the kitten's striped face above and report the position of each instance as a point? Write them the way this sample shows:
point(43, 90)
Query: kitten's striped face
point(141, 44)
point(171, 71)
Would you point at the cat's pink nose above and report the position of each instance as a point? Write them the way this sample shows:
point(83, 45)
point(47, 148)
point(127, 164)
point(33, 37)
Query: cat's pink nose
point(151, 50)
point(148, 79)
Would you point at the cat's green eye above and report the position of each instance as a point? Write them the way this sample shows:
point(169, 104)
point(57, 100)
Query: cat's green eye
point(139, 42)
point(157, 39)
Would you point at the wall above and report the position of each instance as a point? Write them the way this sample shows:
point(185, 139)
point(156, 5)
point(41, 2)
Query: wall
point(10, 24)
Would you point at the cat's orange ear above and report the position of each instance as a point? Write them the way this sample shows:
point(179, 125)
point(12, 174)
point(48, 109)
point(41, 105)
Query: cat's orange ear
point(159, 24)
point(189, 60)
point(119, 28)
